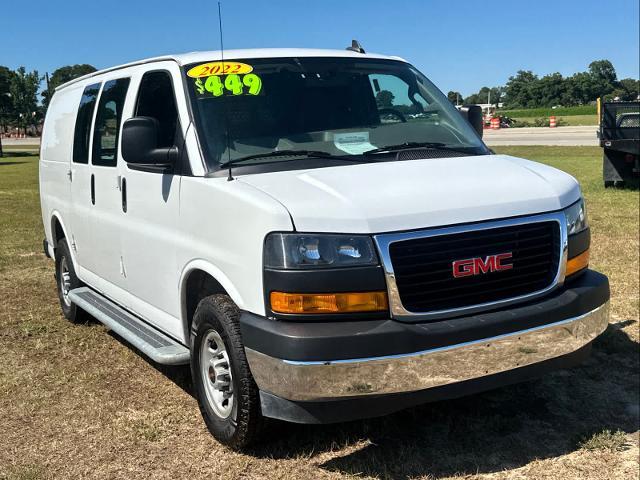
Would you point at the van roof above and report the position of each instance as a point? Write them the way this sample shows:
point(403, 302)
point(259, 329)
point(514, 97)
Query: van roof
point(213, 55)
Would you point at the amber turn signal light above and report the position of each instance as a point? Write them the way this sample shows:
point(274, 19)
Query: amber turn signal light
point(303, 303)
point(577, 263)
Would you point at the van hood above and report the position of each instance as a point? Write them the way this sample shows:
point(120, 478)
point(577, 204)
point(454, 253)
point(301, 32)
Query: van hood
point(414, 194)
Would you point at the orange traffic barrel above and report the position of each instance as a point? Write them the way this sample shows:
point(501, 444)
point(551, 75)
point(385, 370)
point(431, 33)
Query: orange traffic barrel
point(552, 121)
point(495, 123)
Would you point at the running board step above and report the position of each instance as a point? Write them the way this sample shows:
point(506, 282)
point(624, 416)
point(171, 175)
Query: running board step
point(154, 344)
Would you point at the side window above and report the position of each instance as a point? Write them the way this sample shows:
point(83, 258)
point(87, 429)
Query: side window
point(157, 100)
point(107, 127)
point(396, 100)
point(83, 123)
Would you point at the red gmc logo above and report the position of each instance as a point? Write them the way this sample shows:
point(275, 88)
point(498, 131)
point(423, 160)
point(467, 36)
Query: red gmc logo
point(476, 266)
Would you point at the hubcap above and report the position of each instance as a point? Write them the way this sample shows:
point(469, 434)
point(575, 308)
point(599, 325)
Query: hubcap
point(65, 281)
point(215, 369)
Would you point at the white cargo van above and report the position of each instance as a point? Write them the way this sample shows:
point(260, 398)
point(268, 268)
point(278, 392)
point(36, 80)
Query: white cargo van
point(319, 233)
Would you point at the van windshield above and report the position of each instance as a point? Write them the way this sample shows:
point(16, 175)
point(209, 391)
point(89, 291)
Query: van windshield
point(341, 108)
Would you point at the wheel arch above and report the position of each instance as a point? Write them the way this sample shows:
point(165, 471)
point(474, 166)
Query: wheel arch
point(59, 231)
point(200, 279)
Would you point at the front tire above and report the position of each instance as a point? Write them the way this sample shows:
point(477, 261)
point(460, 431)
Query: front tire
point(227, 394)
point(67, 280)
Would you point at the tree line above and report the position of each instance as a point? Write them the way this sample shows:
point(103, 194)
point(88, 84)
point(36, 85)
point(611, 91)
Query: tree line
point(20, 107)
point(525, 89)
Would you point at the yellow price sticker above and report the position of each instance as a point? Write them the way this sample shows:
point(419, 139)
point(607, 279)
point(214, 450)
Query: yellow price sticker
point(217, 85)
point(219, 68)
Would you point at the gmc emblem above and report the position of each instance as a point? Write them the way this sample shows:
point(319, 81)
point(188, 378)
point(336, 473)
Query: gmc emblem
point(476, 266)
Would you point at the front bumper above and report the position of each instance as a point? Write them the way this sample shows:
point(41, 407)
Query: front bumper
point(456, 350)
point(332, 379)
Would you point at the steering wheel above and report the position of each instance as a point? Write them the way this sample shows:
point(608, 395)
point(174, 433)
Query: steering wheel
point(394, 112)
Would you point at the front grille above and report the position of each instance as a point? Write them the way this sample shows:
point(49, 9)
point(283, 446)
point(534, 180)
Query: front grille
point(424, 266)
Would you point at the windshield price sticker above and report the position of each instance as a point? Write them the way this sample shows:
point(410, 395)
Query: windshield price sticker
point(218, 85)
point(219, 68)
point(354, 143)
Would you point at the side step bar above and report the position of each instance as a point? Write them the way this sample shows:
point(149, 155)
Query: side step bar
point(154, 344)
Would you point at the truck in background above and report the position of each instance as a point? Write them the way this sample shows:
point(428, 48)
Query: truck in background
point(619, 135)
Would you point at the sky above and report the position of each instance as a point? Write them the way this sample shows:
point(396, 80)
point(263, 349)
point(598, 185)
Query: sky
point(460, 45)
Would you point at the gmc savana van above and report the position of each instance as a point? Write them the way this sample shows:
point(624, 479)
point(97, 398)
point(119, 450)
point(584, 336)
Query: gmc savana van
point(319, 233)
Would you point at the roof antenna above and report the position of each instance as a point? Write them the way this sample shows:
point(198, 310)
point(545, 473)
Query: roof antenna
point(356, 47)
point(224, 104)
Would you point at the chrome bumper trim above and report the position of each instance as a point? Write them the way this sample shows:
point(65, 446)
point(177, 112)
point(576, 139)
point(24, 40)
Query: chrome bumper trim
point(333, 379)
point(399, 312)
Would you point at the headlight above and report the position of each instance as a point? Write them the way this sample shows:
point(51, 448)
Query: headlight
point(301, 251)
point(576, 216)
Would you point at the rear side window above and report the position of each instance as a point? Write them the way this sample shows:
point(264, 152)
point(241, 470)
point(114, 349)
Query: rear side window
point(107, 127)
point(157, 100)
point(83, 123)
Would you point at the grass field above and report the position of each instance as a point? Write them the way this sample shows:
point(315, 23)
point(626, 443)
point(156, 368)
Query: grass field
point(77, 402)
point(546, 112)
point(564, 120)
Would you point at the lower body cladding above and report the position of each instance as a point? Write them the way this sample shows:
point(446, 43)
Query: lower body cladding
point(323, 372)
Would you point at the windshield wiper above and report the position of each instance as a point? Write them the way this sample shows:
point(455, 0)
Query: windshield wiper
point(411, 145)
point(286, 153)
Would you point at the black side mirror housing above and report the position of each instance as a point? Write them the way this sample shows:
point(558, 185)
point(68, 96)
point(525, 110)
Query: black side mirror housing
point(473, 114)
point(140, 146)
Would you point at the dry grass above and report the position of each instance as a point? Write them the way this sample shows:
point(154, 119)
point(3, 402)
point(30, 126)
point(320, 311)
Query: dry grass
point(76, 402)
point(606, 440)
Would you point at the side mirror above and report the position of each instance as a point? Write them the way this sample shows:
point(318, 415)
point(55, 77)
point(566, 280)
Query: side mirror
point(473, 114)
point(140, 145)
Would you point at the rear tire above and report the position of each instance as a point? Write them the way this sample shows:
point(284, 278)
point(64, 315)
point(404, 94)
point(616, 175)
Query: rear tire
point(67, 280)
point(609, 183)
point(227, 394)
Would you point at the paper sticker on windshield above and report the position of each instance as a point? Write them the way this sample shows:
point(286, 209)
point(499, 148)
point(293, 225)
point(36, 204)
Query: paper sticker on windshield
point(219, 68)
point(218, 85)
point(354, 143)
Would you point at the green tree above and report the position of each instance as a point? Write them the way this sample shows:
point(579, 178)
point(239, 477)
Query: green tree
point(527, 90)
point(604, 75)
point(581, 88)
point(455, 97)
point(518, 90)
point(496, 95)
point(491, 95)
point(24, 97)
point(629, 89)
point(480, 97)
point(483, 95)
point(384, 99)
point(549, 90)
point(6, 105)
point(472, 99)
point(64, 75)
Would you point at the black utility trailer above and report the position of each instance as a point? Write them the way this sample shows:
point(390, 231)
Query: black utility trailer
point(620, 138)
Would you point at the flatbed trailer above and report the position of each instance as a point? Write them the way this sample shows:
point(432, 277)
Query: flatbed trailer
point(620, 139)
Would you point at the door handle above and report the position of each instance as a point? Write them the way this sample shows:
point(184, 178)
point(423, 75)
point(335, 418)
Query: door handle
point(123, 189)
point(93, 189)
